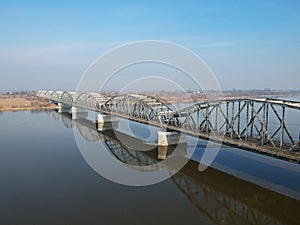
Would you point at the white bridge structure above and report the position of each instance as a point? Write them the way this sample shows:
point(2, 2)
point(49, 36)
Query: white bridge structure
point(256, 124)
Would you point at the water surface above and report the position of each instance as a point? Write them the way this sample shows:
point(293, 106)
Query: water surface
point(45, 180)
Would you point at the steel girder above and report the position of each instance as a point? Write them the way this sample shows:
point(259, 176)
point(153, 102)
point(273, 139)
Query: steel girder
point(260, 121)
point(90, 100)
point(139, 106)
point(260, 124)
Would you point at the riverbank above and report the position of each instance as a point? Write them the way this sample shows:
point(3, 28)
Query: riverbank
point(24, 102)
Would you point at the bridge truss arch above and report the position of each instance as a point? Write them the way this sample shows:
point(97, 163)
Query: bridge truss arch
point(258, 124)
point(138, 106)
point(251, 123)
point(48, 94)
point(90, 100)
point(56, 96)
point(66, 98)
point(40, 93)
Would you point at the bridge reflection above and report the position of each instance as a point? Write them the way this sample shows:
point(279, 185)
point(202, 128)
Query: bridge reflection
point(225, 199)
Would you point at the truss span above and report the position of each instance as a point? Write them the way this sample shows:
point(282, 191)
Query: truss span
point(90, 100)
point(139, 106)
point(258, 124)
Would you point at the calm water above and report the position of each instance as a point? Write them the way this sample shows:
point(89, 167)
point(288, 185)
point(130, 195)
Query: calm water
point(45, 180)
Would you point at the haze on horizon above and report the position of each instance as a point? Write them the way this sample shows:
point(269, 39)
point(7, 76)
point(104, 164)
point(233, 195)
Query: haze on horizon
point(248, 45)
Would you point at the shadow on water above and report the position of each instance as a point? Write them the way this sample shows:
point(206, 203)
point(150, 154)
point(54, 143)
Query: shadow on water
point(224, 198)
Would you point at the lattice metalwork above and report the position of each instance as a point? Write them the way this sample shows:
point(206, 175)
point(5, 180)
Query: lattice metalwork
point(138, 106)
point(56, 96)
point(40, 93)
point(48, 94)
point(252, 123)
point(90, 100)
point(262, 125)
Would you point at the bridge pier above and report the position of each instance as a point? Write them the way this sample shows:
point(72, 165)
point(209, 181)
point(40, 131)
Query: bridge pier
point(63, 108)
point(164, 151)
point(166, 138)
point(79, 113)
point(106, 122)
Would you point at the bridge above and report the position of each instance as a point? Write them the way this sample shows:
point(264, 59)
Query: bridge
point(226, 199)
point(258, 124)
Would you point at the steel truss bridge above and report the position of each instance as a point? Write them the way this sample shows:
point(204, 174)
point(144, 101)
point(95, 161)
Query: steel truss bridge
point(218, 200)
point(264, 125)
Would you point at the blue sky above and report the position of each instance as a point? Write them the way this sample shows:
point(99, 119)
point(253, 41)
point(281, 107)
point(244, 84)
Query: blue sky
point(248, 44)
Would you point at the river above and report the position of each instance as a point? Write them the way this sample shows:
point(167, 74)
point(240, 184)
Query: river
point(46, 180)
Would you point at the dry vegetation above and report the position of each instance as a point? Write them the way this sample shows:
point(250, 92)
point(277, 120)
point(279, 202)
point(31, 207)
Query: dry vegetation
point(23, 102)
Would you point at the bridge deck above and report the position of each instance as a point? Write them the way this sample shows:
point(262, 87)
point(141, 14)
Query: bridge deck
point(251, 144)
point(242, 123)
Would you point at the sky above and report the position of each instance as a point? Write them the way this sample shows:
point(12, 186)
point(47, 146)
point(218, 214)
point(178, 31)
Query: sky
point(247, 44)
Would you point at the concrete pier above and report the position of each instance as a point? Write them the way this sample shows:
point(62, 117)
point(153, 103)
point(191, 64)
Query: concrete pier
point(169, 141)
point(162, 152)
point(106, 122)
point(178, 151)
point(166, 138)
point(79, 113)
point(63, 108)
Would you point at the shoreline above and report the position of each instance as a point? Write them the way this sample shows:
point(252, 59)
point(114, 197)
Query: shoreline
point(27, 109)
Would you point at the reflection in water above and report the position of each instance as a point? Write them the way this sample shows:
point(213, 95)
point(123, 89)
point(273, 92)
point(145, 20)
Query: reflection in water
point(229, 200)
point(225, 199)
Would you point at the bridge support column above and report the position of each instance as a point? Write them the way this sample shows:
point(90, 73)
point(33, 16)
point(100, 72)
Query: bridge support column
point(106, 122)
point(63, 108)
point(166, 138)
point(162, 152)
point(79, 113)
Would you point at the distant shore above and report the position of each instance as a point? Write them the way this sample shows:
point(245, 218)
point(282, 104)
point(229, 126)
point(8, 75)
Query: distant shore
point(23, 103)
point(193, 98)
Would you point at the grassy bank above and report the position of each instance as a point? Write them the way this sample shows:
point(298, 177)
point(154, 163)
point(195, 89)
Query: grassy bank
point(23, 102)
